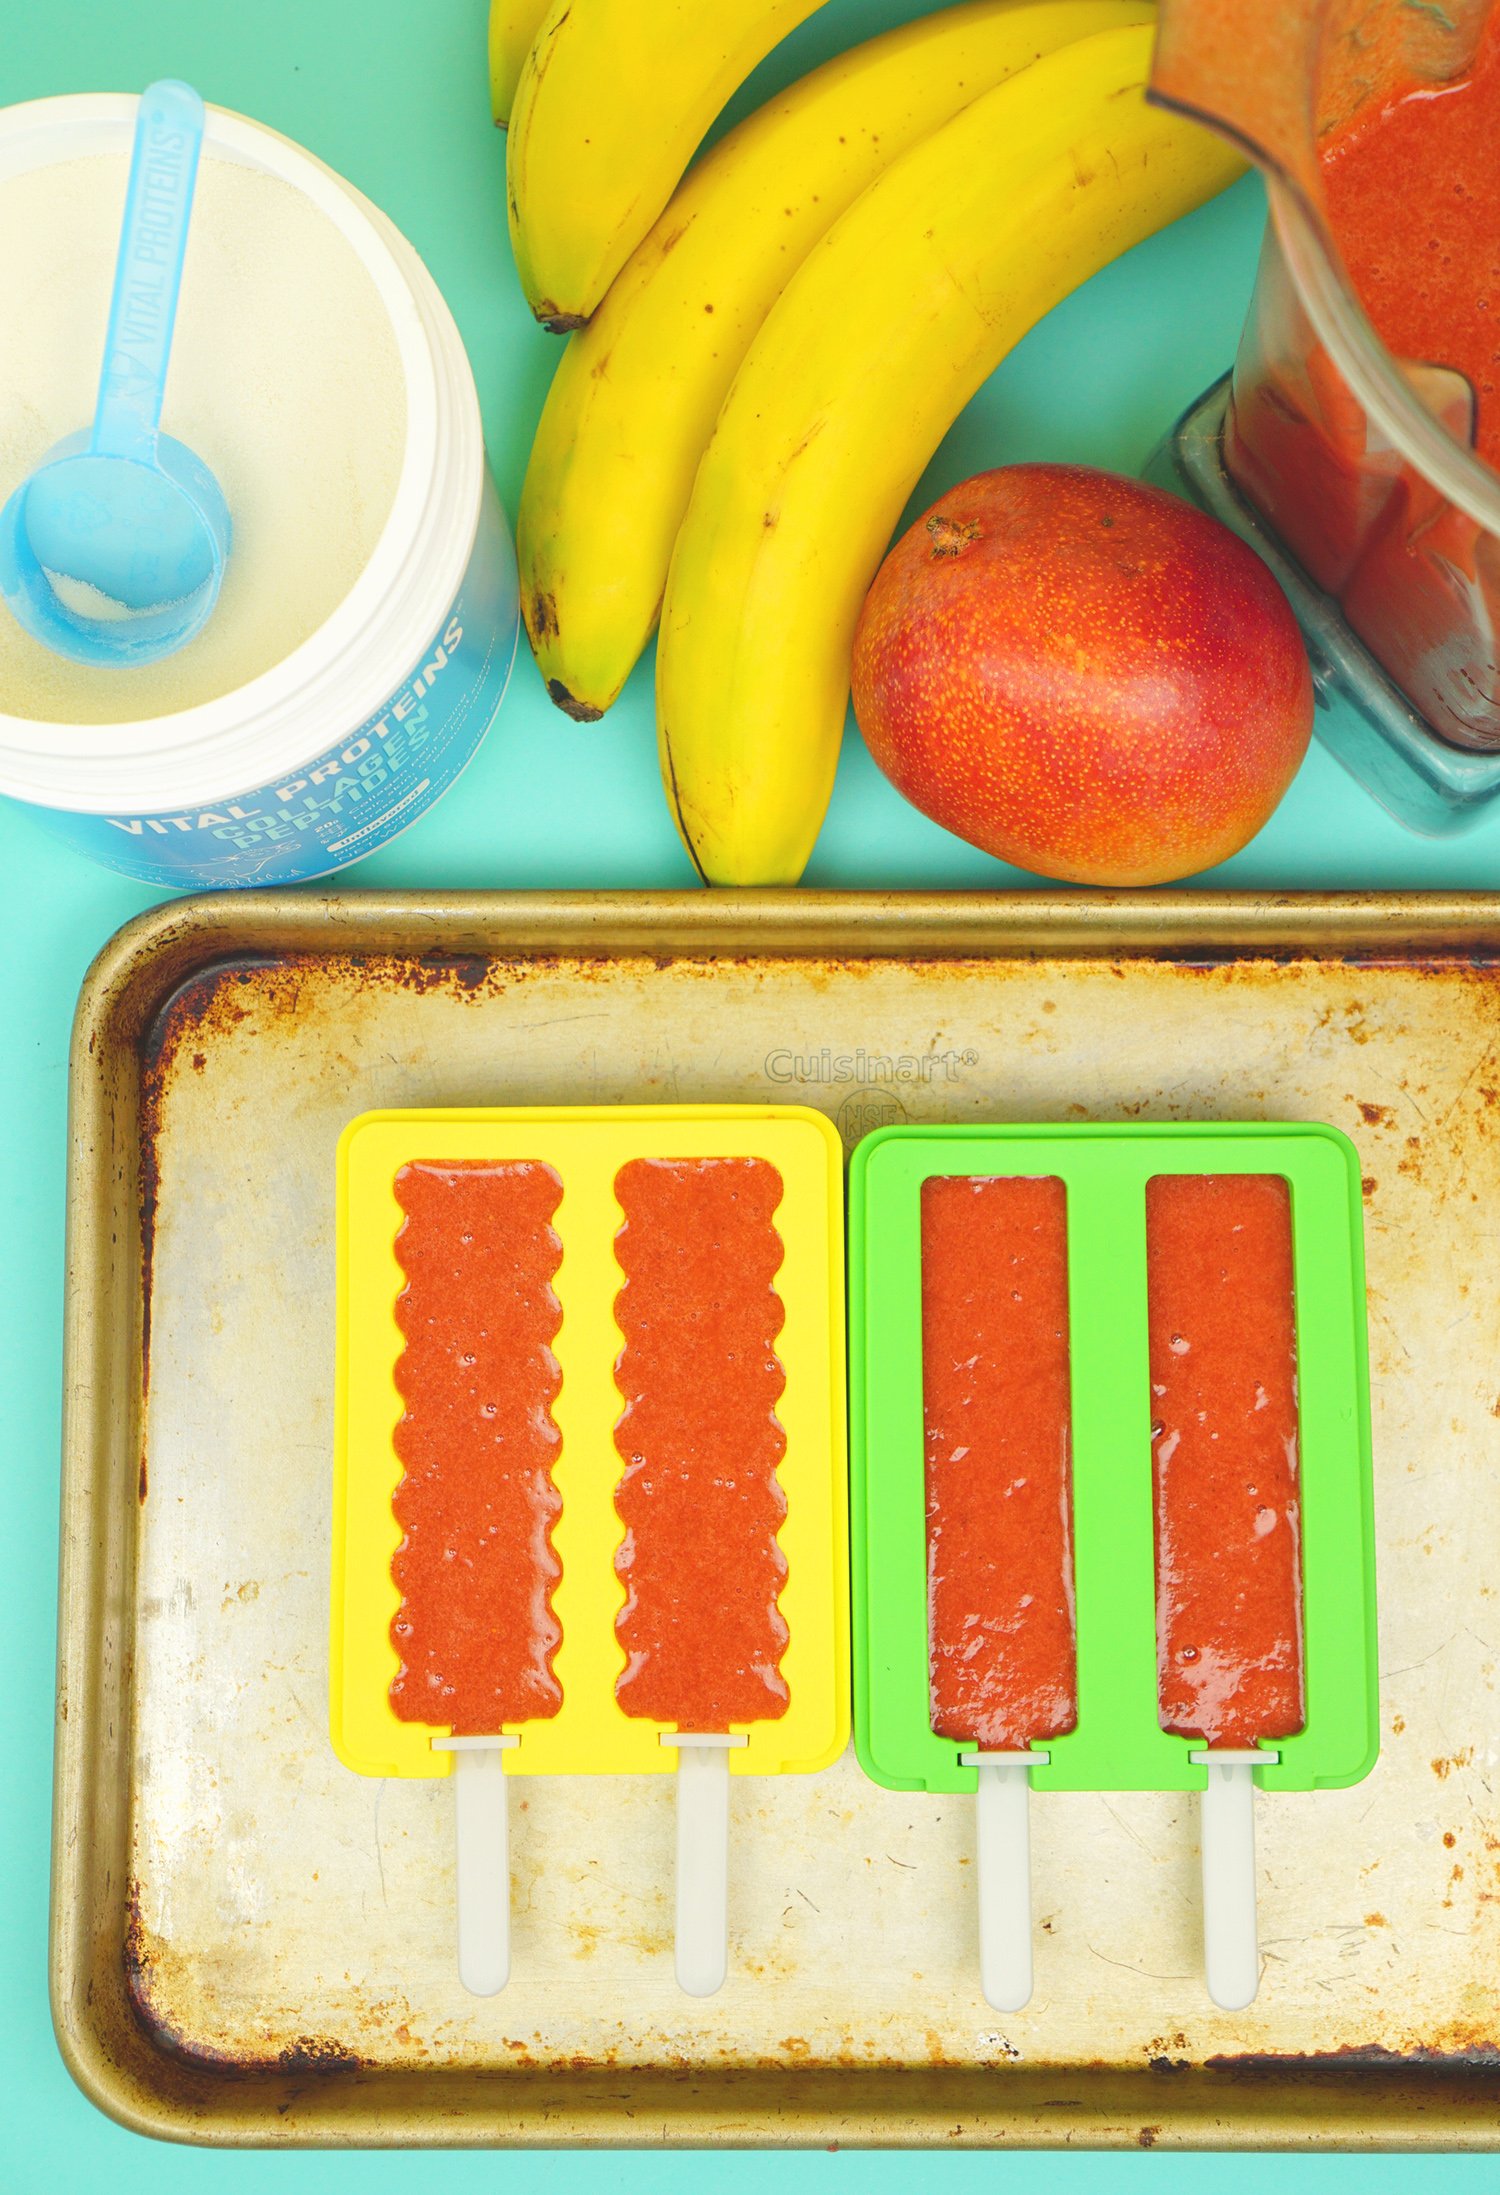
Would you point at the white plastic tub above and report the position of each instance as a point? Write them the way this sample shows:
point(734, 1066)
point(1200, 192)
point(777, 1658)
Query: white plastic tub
point(337, 747)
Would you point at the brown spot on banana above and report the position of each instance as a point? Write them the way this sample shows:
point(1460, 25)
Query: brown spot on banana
point(539, 60)
point(582, 712)
point(541, 617)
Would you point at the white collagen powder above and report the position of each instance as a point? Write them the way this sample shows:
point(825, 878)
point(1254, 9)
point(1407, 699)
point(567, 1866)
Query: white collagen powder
point(284, 378)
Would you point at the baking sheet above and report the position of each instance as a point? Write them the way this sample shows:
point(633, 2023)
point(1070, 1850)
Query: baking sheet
point(253, 1943)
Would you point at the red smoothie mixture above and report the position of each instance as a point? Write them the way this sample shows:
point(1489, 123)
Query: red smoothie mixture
point(998, 1412)
point(1412, 194)
point(475, 1629)
point(1413, 198)
point(699, 1498)
point(1224, 1443)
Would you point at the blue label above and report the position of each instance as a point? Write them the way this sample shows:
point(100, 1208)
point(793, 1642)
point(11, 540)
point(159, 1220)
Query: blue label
point(359, 793)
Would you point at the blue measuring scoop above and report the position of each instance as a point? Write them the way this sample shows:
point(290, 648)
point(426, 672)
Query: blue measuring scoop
point(112, 551)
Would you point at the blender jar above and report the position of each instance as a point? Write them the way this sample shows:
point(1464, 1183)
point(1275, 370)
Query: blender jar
point(1352, 471)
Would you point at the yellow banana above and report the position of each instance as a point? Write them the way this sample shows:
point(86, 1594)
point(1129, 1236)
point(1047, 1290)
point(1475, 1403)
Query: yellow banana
point(890, 325)
point(613, 102)
point(637, 392)
point(513, 25)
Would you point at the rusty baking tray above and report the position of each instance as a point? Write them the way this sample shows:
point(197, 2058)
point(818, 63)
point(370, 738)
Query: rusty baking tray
point(251, 1945)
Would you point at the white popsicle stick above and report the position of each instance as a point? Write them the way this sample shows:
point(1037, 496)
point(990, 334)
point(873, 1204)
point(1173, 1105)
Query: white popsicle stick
point(1004, 1824)
point(702, 1936)
point(1231, 1945)
point(482, 1826)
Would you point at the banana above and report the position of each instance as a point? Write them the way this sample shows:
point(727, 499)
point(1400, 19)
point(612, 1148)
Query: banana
point(613, 102)
point(637, 392)
point(891, 324)
point(513, 25)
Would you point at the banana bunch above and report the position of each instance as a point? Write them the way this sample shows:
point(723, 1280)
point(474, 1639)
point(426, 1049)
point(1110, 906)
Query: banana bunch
point(766, 358)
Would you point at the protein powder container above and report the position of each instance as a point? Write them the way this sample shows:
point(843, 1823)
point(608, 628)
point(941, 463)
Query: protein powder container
point(367, 624)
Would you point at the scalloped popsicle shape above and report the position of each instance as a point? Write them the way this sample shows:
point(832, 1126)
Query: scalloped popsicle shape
point(475, 1629)
point(700, 1441)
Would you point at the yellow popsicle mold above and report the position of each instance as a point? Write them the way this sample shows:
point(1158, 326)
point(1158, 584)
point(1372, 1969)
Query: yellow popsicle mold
point(587, 1146)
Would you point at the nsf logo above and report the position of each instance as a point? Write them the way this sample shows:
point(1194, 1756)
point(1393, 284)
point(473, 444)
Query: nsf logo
point(863, 1111)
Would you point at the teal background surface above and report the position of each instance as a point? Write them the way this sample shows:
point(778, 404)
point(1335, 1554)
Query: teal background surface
point(392, 94)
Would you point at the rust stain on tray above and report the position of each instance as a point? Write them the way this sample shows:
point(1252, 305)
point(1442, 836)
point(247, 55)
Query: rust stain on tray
point(305, 2054)
point(1456, 2051)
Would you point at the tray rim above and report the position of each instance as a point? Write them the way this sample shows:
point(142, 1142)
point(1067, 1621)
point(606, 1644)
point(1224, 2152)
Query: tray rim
point(301, 2100)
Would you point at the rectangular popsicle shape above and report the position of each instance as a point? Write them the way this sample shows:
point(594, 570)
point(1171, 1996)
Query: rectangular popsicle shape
point(998, 1416)
point(477, 1442)
point(700, 1500)
point(795, 1666)
point(1118, 1742)
point(1225, 1455)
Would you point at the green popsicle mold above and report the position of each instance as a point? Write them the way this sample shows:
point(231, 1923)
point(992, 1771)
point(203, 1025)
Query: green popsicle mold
point(1119, 1744)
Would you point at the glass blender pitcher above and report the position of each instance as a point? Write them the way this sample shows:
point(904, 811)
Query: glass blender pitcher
point(1352, 472)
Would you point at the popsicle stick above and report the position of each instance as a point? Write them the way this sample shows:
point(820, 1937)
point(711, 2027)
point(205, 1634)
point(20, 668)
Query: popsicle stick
point(482, 1827)
point(1231, 1945)
point(1004, 1823)
point(702, 1926)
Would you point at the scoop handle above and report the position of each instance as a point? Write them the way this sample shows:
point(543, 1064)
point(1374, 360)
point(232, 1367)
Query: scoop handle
point(148, 270)
point(1231, 1943)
